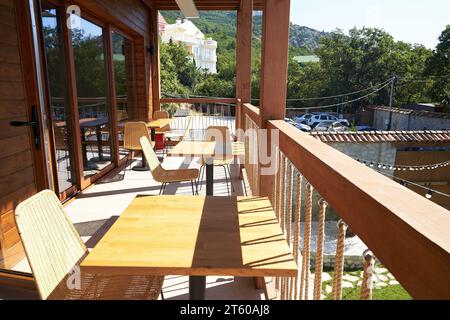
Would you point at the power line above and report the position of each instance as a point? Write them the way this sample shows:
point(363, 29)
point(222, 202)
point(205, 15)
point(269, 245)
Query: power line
point(339, 95)
point(339, 104)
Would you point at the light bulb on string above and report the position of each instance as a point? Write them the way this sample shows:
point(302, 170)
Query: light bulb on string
point(429, 194)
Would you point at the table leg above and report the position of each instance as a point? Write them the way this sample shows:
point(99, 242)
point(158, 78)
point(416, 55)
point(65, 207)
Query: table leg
point(209, 179)
point(144, 165)
point(83, 147)
point(197, 287)
point(153, 134)
point(98, 133)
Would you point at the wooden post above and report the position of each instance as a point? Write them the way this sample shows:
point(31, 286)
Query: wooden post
point(155, 67)
point(244, 54)
point(274, 64)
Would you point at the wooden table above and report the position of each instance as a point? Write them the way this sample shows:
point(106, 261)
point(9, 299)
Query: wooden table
point(157, 124)
point(194, 236)
point(203, 149)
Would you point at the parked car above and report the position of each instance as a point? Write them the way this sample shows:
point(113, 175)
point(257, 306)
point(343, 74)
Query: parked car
point(303, 118)
point(315, 119)
point(303, 127)
point(331, 126)
point(290, 121)
point(323, 125)
point(337, 127)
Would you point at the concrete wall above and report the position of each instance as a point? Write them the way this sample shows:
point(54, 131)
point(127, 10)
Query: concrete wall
point(408, 121)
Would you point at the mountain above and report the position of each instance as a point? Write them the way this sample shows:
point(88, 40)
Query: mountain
point(222, 24)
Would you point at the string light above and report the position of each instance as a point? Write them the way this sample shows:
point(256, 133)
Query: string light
point(429, 194)
point(386, 166)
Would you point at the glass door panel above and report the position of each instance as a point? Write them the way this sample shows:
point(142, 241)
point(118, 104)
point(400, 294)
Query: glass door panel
point(53, 42)
point(93, 107)
point(123, 54)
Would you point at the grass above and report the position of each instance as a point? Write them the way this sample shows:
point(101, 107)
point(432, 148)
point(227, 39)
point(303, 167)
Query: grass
point(389, 292)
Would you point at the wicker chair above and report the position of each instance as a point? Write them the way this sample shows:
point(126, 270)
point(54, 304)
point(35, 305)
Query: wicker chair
point(165, 176)
point(133, 131)
point(223, 155)
point(55, 250)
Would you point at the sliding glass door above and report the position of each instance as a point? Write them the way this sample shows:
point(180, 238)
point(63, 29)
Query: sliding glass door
point(123, 60)
point(94, 109)
point(59, 105)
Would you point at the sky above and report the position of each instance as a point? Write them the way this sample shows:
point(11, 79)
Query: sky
point(413, 21)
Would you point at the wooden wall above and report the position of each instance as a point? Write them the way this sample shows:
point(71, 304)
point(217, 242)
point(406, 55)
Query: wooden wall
point(17, 180)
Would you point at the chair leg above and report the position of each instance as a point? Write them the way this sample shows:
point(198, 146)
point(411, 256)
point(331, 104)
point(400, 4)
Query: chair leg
point(163, 188)
point(202, 172)
point(226, 179)
point(231, 180)
point(162, 295)
point(192, 185)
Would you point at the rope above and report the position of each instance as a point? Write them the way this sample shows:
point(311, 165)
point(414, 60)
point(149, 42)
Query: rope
point(304, 284)
point(281, 203)
point(297, 229)
point(319, 252)
point(367, 280)
point(288, 226)
point(339, 261)
point(283, 225)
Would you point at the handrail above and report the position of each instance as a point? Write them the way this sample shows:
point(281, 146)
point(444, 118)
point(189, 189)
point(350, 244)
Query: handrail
point(408, 233)
point(252, 112)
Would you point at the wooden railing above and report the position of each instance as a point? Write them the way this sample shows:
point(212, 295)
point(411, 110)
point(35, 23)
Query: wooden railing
point(408, 234)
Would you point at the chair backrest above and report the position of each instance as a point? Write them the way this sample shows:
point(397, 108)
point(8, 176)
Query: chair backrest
point(221, 135)
point(149, 154)
point(133, 131)
point(160, 114)
point(52, 245)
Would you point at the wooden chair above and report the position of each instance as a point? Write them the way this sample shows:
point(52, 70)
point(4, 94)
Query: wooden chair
point(223, 153)
point(55, 250)
point(165, 176)
point(133, 131)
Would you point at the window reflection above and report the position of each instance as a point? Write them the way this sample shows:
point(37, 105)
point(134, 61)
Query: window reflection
point(93, 108)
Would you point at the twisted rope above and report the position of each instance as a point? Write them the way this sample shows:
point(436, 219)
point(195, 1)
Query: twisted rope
point(288, 226)
point(367, 280)
point(281, 203)
point(297, 229)
point(319, 252)
point(339, 261)
point(304, 283)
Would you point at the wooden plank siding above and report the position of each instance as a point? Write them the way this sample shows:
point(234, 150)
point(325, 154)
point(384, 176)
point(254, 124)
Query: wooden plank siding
point(17, 180)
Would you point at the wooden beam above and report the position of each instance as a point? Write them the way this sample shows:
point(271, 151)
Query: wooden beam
point(274, 65)
point(406, 232)
point(155, 65)
point(244, 54)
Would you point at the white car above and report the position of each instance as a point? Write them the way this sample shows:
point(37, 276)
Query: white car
point(330, 126)
point(303, 127)
point(315, 119)
point(304, 118)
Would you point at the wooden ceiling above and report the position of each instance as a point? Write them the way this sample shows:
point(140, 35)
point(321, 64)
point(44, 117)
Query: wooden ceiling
point(226, 5)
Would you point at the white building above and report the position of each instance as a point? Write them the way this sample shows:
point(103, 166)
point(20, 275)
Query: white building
point(202, 49)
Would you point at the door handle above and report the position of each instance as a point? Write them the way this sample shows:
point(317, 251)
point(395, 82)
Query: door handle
point(34, 124)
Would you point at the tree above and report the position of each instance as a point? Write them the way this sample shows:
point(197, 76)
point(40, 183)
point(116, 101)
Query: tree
point(438, 66)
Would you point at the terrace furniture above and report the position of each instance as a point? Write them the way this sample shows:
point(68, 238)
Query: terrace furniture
point(196, 237)
point(165, 176)
point(203, 149)
point(170, 137)
point(55, 250)
point(223, 156)
point(132, 133)
point(157, 124)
